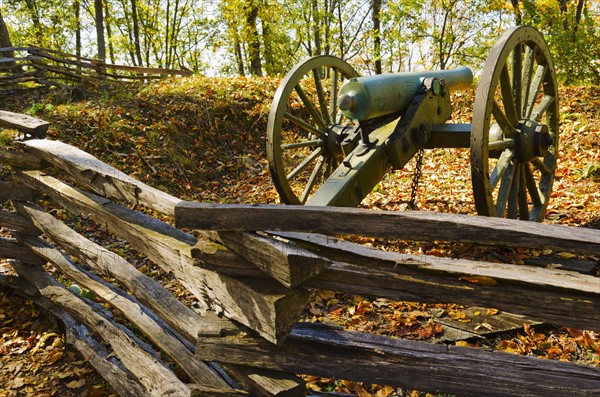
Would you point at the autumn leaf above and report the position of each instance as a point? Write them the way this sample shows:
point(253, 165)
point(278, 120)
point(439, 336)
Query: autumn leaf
point(483, 280)
point(385, 391)
point(76, 384)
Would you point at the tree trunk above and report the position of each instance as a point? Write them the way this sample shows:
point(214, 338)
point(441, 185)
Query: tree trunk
point(35, 18)
point(239, 58)
point(341, 26)
point(316, 27)
point(516, 11)
point(136, 32)
point(268, 49)
point(376, 14)
point(111, 49)
point(253, 43)
point(99, 17)
point(77, 13)
point(5, 42)
point(4, 36)
point(578, 13)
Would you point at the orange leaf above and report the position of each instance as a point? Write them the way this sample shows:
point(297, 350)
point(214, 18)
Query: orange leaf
point(483, 280)
point(385, 391)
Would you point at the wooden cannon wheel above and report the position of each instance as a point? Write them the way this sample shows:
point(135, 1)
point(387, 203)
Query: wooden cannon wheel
point(305, 128)
point(514, 136)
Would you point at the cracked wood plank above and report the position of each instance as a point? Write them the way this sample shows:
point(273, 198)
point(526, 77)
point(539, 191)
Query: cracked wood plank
point(331, 352)
point(263, 305)
point(410, 225)
point(262, 383)
point(100, 177)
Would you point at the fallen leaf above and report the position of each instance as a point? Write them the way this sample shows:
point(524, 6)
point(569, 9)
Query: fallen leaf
point(483, 280)
point(75, 384)
point(385, 391)
point(484, 325)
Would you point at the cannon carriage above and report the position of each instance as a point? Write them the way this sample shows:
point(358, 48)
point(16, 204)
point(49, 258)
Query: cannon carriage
point(332, 135)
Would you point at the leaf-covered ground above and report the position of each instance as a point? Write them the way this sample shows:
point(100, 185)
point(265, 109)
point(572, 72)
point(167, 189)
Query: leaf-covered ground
point(203, 139)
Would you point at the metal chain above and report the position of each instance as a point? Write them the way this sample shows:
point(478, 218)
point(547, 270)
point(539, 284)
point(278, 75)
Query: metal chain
point(416, 177)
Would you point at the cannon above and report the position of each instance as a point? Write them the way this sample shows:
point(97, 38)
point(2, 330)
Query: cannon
point(332, 135)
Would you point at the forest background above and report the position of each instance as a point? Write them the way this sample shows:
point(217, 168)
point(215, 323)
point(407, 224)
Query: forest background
point(267, 37)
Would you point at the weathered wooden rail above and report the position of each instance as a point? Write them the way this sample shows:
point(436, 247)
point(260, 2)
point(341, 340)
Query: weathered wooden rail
point(22, 66)
point(253, 287)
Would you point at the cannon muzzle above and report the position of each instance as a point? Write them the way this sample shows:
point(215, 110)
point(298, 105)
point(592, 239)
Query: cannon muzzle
point(364, 98)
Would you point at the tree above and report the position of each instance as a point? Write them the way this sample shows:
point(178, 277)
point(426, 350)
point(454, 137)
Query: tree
point(77, 22)
point(572, 30)
point(4, 35)
point(376, 16)
point(250, 29)
point(6, 43)
point(99, 19)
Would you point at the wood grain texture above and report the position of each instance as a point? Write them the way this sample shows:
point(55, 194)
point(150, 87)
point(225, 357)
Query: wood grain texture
point(26, 124)
point(10, 248)
point(410, 225)
point(156, 378)
point(332, 352)
point(282, 259)
point(553, 295)
point(262, 383)
point(147, 322)
point(16, 191)
point(13, 221)
point(101, 177)
point(19, 159)
point(263, 305)
point(78, 335)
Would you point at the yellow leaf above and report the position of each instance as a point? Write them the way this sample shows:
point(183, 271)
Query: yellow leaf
point(462, 343)
point(566, 255)
point(385, 391)
point(76, 384)
point(492, 312)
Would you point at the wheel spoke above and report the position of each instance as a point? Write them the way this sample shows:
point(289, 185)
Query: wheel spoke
point(313, 178)
point(528, 63)
point(534, 192)
point(517, 72)
point(321, 96)
point(501, 145)
point(501, 167)
point(304, 125)
point(297, 145)
point(539, 164)
point(542, 107)
point(505, 188)
point(314, 113)
point(503, 121)
point(507, 98)
point(534, 89)
point(513, 195)
point(523, 202)
point(304, 164)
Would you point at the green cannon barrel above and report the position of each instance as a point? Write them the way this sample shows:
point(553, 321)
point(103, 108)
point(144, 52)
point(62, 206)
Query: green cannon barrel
point(364, 98)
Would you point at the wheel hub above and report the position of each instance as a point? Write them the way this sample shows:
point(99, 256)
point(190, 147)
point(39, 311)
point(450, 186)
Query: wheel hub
point(532, 140)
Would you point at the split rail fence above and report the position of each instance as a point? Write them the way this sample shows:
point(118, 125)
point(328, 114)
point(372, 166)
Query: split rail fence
point(22, 67)
point(252, 269)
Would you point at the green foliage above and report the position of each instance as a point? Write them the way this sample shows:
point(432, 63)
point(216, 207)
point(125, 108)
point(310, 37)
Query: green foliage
point(573, 38)
point(244, 37)
point(40, 109)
